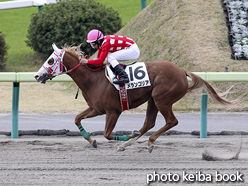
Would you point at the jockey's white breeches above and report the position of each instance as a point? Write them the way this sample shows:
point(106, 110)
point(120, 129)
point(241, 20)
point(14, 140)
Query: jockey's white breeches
point(130, 53)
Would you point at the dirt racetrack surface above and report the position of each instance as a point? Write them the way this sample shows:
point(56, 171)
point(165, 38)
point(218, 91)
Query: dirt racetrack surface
point(175, 160)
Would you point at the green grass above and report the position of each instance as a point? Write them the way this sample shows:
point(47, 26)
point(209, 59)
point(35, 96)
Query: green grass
point(127, 9)
point(14, 25)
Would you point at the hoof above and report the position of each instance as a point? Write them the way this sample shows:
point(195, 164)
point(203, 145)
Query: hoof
point(150, 149)
point(94, 144)
point(120, 148)
point(135, 133)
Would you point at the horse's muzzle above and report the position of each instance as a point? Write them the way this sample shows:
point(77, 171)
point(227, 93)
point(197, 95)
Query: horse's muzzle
point(43, 78)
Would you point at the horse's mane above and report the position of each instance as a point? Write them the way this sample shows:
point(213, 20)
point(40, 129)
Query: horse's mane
point(74, 50)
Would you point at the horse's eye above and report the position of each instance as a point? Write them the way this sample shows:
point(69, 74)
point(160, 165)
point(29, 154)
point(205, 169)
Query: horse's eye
point(50, 61)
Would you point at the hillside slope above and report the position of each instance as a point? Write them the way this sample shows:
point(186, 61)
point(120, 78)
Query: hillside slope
point(189, 33)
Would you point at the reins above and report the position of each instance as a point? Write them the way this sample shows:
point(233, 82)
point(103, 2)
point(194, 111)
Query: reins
point(68, 71)
point(93, 70)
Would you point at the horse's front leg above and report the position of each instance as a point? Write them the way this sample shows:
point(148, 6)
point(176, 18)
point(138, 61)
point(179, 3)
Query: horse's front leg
point(111, 119)
point(88, 113)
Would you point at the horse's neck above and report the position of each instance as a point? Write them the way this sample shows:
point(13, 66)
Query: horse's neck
point(85, 79)
point(89, 83)
point(79, 75)
point(82, 77)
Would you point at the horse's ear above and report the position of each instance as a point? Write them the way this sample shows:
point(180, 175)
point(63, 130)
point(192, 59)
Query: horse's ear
point(56, 49)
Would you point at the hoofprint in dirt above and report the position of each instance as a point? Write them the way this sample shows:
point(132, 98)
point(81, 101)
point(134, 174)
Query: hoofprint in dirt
point(175, 160)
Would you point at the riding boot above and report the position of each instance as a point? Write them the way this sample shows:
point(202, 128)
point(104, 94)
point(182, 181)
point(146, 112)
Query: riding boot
point(123, 75)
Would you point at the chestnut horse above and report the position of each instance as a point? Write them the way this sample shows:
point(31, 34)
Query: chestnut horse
point(168, 84)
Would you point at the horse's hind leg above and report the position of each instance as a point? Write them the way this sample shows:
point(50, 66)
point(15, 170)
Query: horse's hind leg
point(171, 121)
point(151, 115)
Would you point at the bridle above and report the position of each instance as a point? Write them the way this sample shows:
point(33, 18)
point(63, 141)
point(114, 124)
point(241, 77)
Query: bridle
point(56, 68)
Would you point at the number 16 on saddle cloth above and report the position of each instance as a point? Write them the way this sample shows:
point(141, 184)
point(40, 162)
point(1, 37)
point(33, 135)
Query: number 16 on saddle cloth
point(137, 74)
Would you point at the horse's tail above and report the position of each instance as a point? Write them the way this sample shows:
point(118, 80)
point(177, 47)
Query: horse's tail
point(198, 82)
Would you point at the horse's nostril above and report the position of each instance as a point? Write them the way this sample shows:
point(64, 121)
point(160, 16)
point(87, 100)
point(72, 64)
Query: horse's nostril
point(36, 77)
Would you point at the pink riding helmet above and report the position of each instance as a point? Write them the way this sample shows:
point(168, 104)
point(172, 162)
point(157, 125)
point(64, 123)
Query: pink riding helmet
point(94, 35)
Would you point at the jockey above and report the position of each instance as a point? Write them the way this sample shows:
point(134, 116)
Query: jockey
point(113, 48)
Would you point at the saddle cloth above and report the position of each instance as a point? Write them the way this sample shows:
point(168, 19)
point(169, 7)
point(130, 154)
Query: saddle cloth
point(137, 73)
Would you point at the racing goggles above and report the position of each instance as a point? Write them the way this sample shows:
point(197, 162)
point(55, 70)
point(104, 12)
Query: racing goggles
point(93, 44)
